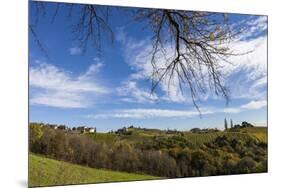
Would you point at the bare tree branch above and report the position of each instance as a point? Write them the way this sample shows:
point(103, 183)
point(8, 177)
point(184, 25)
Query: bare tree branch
point(200, 44)
point(38, 41)
point(199, 41)
point(93, 21)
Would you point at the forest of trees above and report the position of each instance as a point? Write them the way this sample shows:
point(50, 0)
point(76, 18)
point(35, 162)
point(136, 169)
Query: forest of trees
point(165, 158)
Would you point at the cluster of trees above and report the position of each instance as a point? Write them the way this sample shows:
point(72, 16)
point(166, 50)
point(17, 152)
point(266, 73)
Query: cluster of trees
point(198, 130)
point(177, 159)
point(244, 124)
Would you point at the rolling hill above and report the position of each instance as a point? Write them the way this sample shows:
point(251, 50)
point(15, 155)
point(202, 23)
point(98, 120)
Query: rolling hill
point(46, 172)
point(138, 135)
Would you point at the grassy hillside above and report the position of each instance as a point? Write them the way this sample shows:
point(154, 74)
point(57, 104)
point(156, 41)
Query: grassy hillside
point(246, 134)
point(162, 153)
point(193, 139)
point(259, 132)
point(45, 172)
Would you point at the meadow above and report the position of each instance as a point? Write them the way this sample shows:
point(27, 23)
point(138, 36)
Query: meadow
point(45, 172)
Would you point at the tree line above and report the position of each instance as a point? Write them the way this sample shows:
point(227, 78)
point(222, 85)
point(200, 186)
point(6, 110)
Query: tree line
point(222, 156)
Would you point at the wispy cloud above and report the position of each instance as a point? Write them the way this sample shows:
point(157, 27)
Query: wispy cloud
point(137, 54)
point(75, 51)
point(255, 104)
point(252, 27)
point(130, 92)
point(245, 76)
point(258, 24)
point(51, 86)
point(59, 99)
point(147, 113)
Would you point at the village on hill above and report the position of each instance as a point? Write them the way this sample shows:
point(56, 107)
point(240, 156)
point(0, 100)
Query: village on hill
point(78, 129)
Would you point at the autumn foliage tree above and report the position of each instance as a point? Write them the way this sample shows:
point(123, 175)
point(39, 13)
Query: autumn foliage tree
point(168, 158)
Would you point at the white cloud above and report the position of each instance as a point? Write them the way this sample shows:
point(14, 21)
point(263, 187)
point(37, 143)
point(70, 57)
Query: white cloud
point(256, 58)
point(255, 104)
point(246, 75)
point(137, 54)
point(254, 27)
point(132, 93)
point(173, 92)
point(75, 51)
point(59, 99)
point(51, 86)
point(92, 71)
point(146, 113)
point(230, 110)
point(258, 24)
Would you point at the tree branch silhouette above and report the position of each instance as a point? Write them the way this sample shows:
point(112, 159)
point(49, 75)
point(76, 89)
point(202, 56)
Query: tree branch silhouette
point(199, 42)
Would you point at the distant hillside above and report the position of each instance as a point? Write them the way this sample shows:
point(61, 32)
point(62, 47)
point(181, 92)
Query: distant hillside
point(259, 132)
point(45, 172)
point(139, 135)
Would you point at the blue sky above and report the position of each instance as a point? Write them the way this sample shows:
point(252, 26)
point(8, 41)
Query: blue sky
point(112, 90)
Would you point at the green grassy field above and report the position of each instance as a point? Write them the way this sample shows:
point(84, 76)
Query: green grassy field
point(45, 172)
